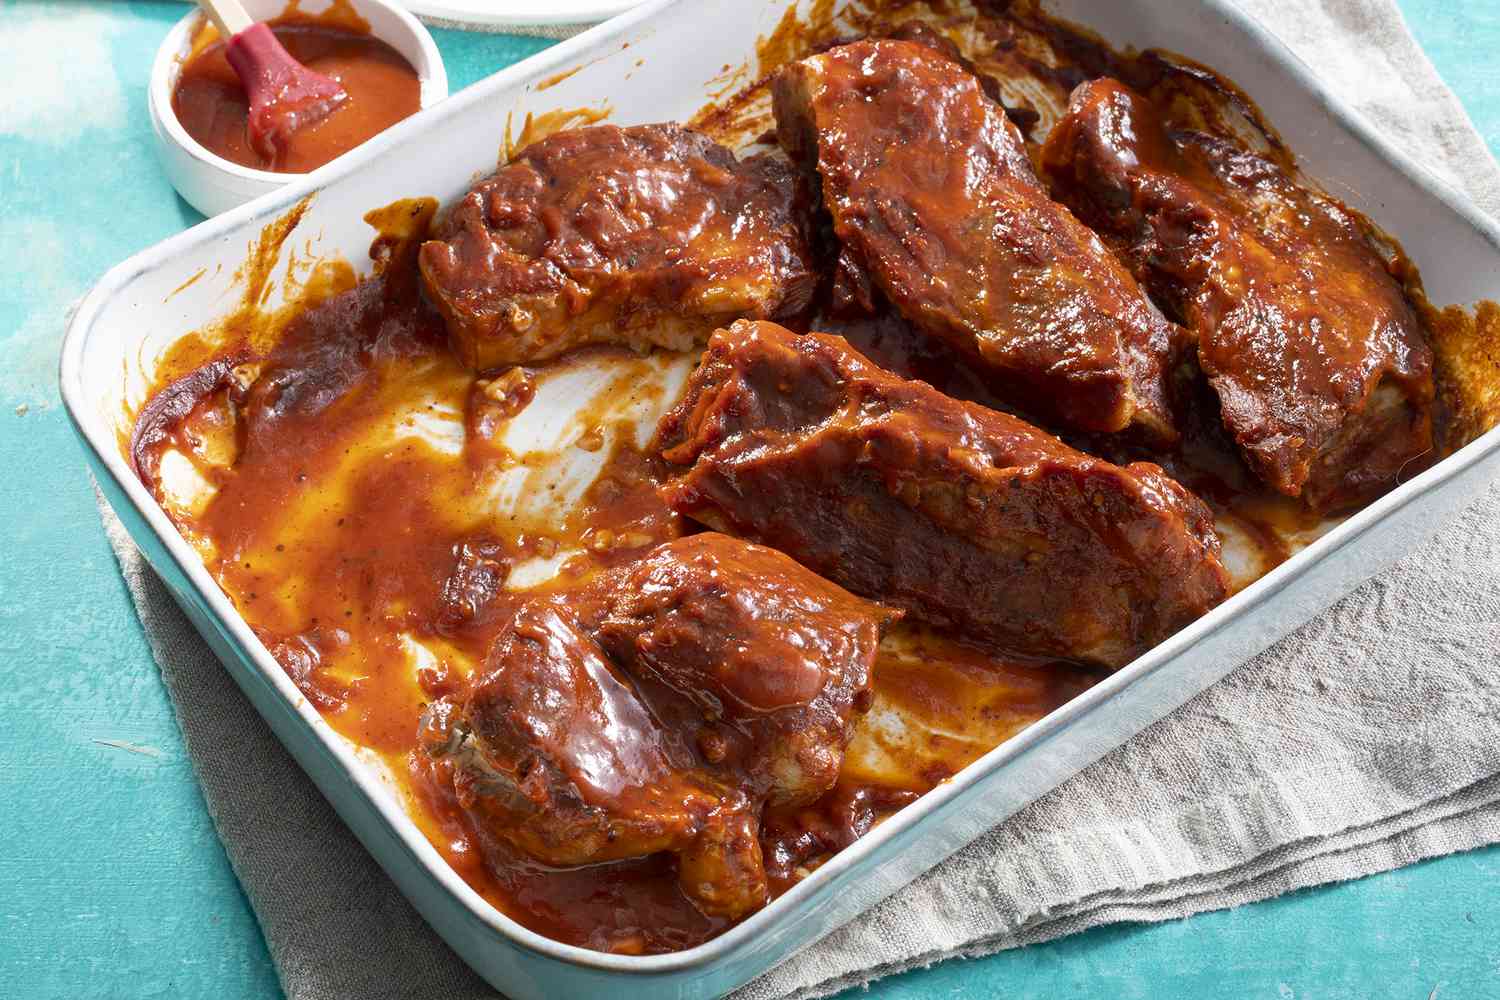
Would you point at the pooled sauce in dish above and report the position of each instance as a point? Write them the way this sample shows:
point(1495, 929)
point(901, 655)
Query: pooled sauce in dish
point(387, 519)
point(375, 512)
point(383, 89)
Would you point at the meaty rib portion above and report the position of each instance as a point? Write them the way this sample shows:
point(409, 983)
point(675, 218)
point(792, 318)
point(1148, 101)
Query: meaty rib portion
point(969, 519)
point(934, 200)
point(1024, 118)
point(561, 751)
point(661, 711)
point(1322, 372)
point(649, 235)
point(775, 658)
point(554, 753)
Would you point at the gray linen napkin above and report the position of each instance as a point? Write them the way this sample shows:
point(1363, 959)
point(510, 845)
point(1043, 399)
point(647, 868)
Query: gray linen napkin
point(1366, 741)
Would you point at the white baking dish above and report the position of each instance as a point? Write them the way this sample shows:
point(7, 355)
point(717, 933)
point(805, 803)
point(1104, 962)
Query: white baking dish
point(659, 63)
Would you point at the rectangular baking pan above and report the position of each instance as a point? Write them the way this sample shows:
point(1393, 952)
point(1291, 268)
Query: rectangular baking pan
point(661, 62)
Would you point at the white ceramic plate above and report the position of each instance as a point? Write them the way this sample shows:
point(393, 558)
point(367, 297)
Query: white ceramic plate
point(520, 13)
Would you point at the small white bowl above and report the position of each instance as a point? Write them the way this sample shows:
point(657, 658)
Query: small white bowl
point(212, 184)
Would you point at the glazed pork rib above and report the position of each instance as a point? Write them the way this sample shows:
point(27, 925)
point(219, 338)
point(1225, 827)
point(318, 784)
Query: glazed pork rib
point(935, 203)
point(649, 235)
point(1323, 376)
point(776, 659)
point(554, 749)
point(971, 520)
point(661, 710)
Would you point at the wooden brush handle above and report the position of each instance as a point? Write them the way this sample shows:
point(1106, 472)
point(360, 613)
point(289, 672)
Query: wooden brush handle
point(227, 15)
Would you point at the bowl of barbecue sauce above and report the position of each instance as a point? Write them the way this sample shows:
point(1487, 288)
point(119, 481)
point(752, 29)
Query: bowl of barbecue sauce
point(385, 59)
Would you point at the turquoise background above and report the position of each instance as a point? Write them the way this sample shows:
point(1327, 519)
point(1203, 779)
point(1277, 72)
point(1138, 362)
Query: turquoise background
point(112, 883)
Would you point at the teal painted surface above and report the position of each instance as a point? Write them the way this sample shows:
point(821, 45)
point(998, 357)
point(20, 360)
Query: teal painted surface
point(112, 883)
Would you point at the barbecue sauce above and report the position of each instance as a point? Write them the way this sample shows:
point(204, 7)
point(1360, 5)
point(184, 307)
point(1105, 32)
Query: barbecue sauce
point(383, 89)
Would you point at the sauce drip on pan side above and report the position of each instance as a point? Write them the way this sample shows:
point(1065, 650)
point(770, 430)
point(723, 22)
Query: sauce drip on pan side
point(371, 508)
